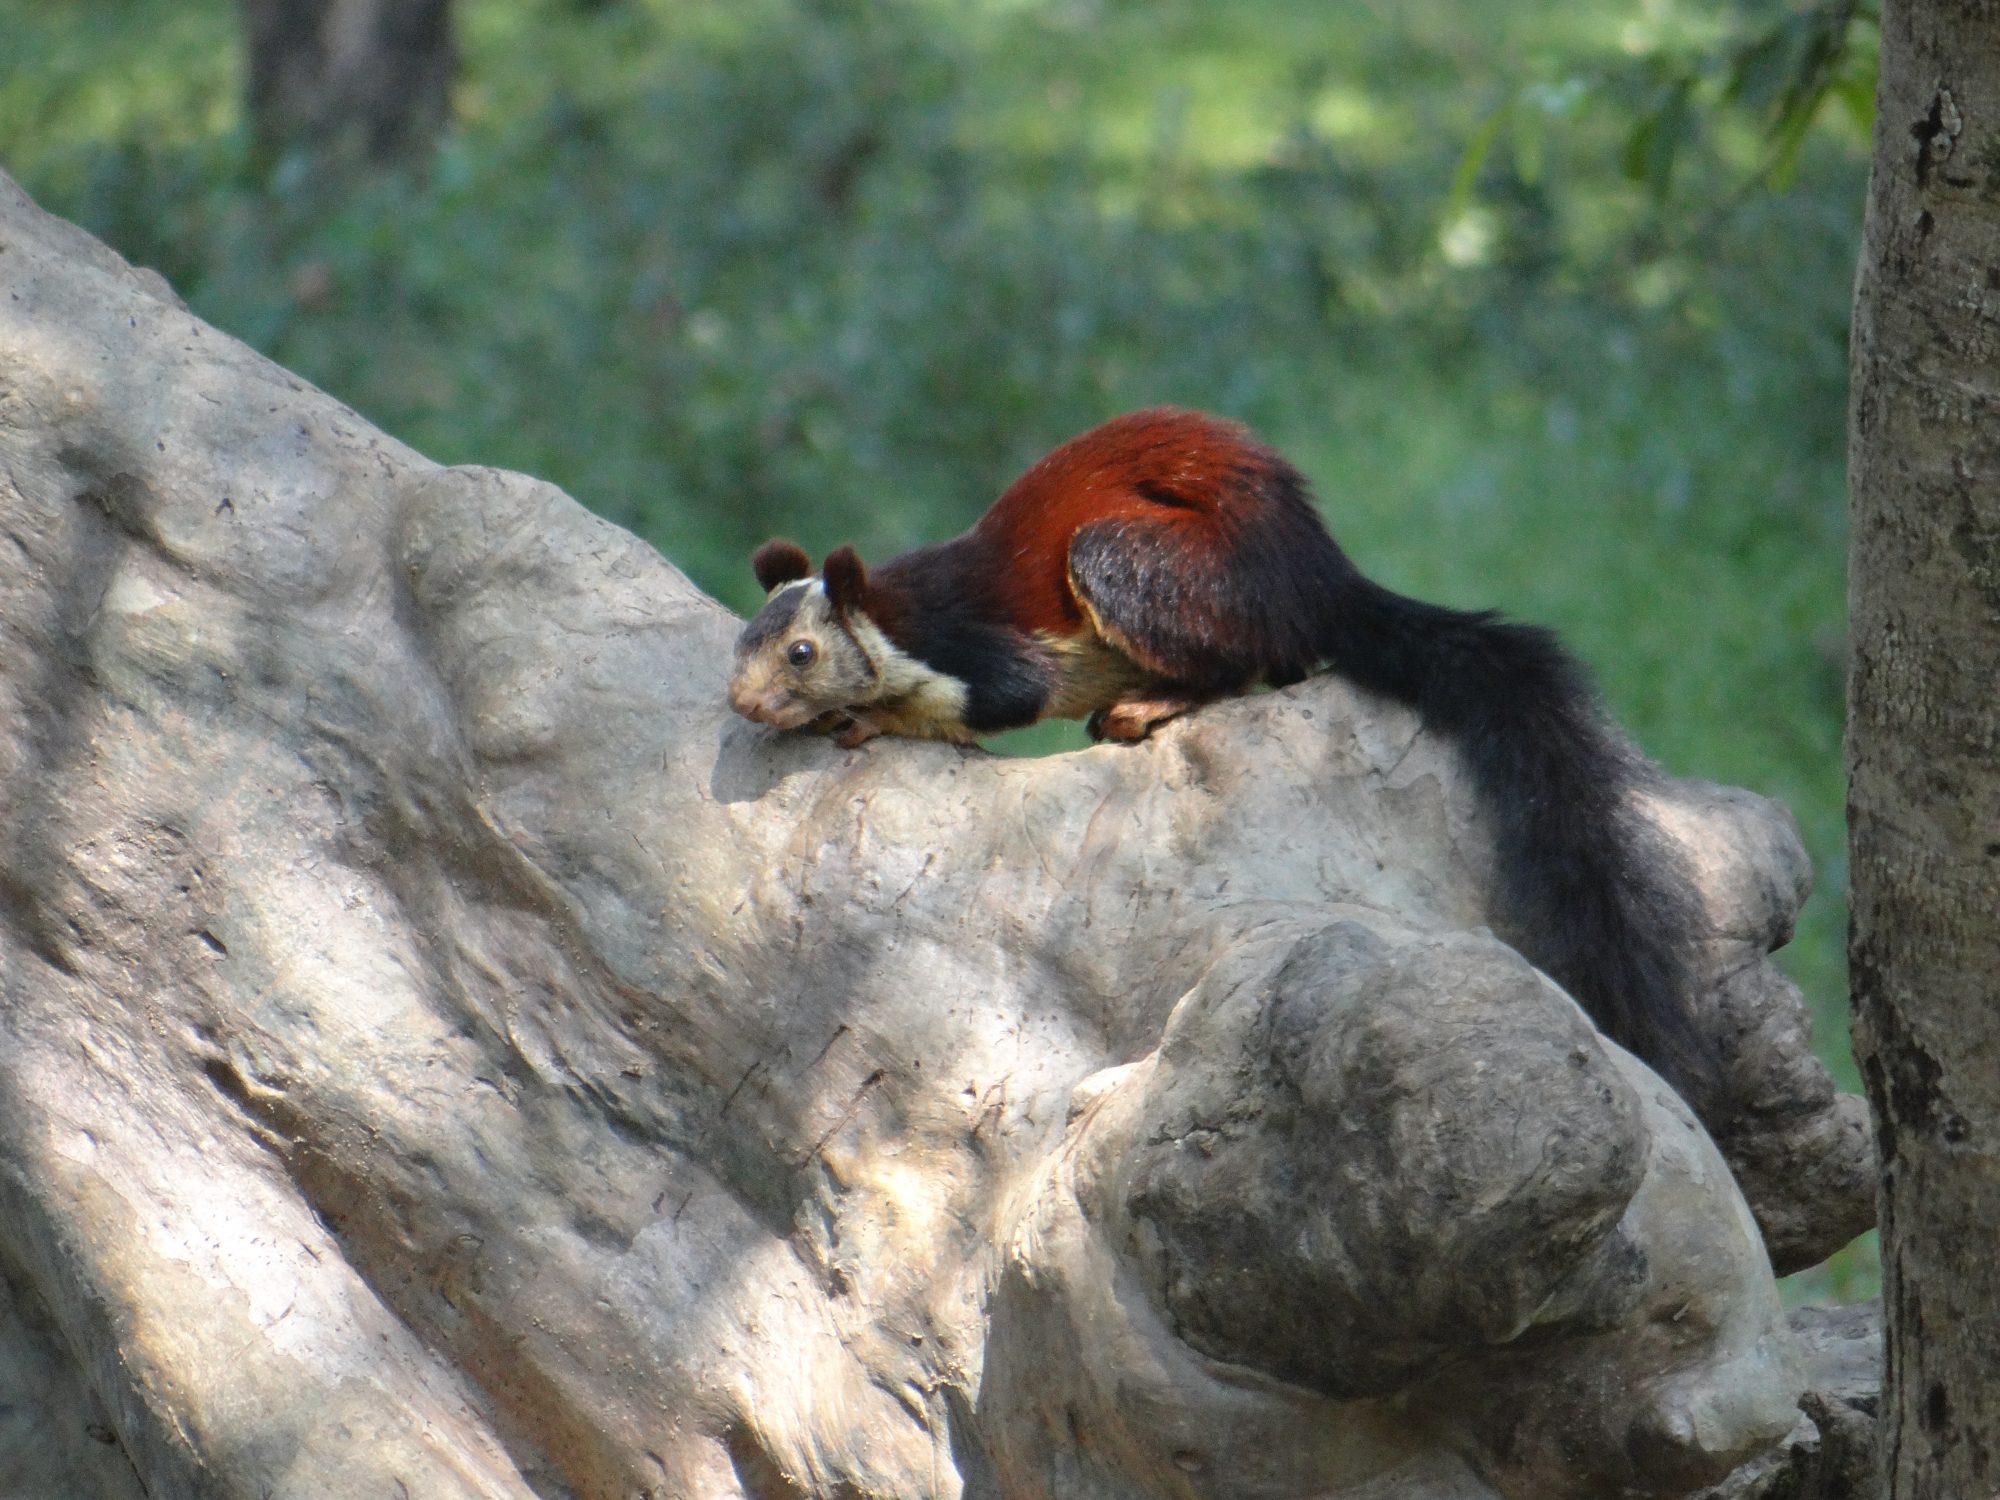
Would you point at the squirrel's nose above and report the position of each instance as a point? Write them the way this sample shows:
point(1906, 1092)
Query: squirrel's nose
point(744, 701)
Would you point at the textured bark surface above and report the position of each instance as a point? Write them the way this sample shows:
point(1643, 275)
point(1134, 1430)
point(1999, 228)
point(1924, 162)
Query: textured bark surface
point(443, 1053)
point(1924, 731)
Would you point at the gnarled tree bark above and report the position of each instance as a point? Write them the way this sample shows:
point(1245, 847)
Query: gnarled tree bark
point(442, 1052)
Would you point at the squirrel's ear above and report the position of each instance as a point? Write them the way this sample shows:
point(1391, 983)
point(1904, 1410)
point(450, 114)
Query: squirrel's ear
point(778, 563)
point(846, 579)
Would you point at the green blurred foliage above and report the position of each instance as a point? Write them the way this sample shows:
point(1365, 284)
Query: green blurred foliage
point(1551, 302)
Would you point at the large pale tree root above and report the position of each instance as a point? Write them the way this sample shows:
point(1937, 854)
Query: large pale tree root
point(443, 1054)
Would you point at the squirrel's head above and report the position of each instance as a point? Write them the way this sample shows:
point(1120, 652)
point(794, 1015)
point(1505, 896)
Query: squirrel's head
point(802, 654)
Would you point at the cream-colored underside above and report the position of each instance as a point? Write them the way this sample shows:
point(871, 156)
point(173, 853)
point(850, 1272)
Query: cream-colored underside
point(892, 692)
point(1094, 674)
point(911, 698)
point(923, 703)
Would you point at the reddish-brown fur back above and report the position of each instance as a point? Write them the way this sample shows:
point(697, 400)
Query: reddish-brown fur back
point(1192, 472)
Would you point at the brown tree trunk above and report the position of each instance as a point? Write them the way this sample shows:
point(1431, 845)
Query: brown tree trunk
point(357, 75)
point(1924, 741)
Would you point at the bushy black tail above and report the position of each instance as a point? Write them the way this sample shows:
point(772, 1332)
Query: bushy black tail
point(1588, 891)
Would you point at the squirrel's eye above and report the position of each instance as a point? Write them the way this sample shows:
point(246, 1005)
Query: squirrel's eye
point(801, 653)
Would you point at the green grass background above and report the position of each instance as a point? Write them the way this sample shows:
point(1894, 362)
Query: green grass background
point(840, 269)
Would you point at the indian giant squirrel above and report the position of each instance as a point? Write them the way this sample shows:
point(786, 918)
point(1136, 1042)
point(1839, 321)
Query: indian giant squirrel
point(1167, 558)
